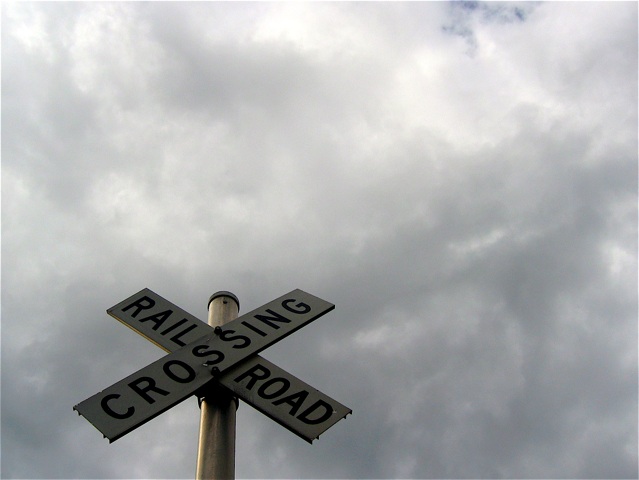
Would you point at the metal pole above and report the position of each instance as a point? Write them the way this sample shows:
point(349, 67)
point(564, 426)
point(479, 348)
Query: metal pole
point(216, 446)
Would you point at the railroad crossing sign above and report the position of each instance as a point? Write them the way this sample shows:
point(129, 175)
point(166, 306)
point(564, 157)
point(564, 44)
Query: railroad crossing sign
point(200, 354)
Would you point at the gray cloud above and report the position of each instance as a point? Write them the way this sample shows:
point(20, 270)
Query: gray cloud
point(472, 214)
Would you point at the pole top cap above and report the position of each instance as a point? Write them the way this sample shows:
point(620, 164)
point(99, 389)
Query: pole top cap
point(223, 293)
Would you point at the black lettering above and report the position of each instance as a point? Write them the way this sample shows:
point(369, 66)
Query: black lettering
point(265, 373)
point(201, 351)
point(275, 318)
point(138, 304)
point(174, 326)
point(228, 336)
point(190, 373)
point(150, 386)
point(109, 411)
point(176, 338)
point(158, 318)
point(295, 401)
point(285, 386)
point(302, 307)
point(328, 411)
point(255, 329)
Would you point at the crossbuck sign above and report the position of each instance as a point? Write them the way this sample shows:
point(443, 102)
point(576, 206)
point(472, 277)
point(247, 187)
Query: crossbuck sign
point(200, 354)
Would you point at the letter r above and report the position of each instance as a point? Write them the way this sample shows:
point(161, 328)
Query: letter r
point(265, 373)
point(139, 305)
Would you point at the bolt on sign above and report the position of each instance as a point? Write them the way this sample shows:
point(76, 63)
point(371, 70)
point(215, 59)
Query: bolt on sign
point(200, 355)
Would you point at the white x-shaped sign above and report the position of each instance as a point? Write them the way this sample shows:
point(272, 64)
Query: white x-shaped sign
point(201, 354)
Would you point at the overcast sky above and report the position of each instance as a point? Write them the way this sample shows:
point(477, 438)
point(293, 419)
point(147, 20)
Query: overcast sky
point(459, 179)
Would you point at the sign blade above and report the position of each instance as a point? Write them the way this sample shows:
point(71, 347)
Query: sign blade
point(284, 398)
point(159, 321)
point(154, 389)
point(144, 395)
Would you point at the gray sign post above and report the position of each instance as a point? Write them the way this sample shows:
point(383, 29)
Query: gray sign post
point(216, 444)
